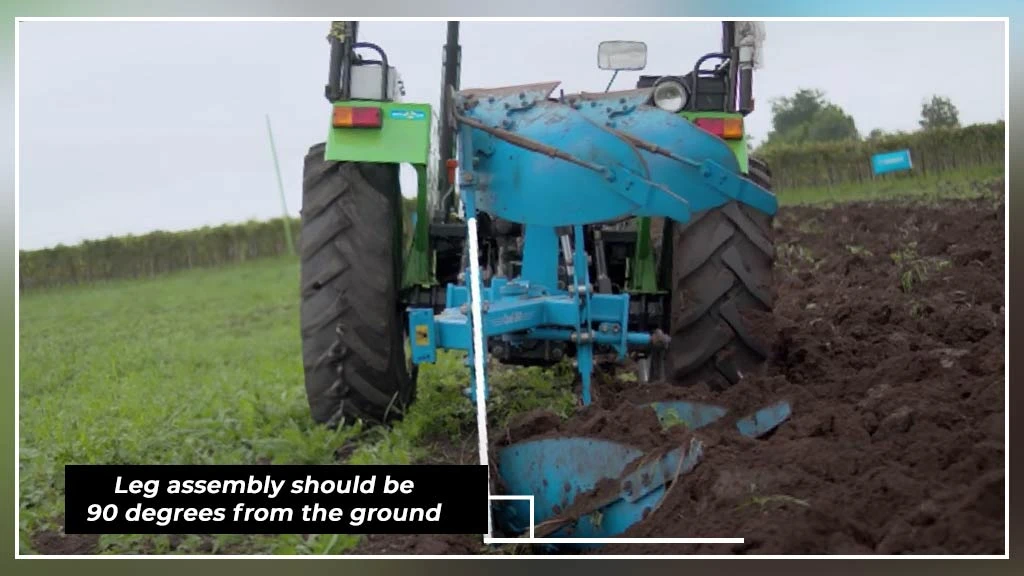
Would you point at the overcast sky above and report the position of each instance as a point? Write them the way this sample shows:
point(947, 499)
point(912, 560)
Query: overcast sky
point(129, 127)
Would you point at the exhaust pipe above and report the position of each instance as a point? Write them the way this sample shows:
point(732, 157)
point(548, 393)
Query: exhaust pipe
point(449, 85)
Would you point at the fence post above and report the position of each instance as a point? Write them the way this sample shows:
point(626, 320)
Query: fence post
point(280, 187)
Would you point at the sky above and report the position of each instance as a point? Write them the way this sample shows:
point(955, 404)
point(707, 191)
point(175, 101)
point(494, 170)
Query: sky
point(130, 127)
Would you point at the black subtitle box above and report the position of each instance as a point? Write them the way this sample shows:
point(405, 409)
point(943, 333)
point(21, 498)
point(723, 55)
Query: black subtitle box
point(272, 499)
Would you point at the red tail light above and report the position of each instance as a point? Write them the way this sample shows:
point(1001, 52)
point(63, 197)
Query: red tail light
point(725, 128)
point(356, 117)
point(451, 164)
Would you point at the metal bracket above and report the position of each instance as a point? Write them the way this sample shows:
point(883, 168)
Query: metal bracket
point(738, 188)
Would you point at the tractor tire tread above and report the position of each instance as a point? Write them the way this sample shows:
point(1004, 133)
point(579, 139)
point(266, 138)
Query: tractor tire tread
point(353, 334)
point(722, 267)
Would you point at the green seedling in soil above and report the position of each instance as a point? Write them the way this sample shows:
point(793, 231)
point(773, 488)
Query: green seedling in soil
point(627, 376)
point(793, 256)
point(907, 278)
point(905, 254)
point(810, 227)
point(670, 418)
point(915, 269)
point(859, 251)
point(916, 309)
point(762, 501)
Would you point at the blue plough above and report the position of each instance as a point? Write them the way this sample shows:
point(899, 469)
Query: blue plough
point(555, 166)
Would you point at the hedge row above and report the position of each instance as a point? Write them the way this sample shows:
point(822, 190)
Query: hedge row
point(830, 164)
point(153, 254)
point(813, 165)
point(161, 252)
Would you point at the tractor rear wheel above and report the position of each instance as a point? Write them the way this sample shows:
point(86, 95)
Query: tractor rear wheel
point(353, 334)
point(721, 271)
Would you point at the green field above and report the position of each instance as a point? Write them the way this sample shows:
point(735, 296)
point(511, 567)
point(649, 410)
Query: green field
point(205, 367)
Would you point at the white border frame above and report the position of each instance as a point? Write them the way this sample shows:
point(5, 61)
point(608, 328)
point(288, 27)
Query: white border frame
point(481, 404)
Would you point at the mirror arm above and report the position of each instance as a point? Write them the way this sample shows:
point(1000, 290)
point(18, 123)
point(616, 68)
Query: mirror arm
point(609, 86)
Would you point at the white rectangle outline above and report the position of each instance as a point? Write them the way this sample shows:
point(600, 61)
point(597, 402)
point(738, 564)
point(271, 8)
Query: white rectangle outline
point(18, 19)
point(487, 537)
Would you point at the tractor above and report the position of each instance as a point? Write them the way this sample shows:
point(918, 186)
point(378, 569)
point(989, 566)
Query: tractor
point(570, 227)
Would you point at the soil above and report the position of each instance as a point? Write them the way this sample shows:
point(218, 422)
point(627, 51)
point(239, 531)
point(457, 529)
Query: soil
point(888, 342)
point(421, 544)
point(58, 543)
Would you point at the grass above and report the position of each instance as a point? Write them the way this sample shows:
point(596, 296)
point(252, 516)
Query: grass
point(204, 367)
point(960, 184)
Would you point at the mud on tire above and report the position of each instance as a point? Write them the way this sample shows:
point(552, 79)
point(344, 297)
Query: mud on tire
point(353, 334)
point(721, 270)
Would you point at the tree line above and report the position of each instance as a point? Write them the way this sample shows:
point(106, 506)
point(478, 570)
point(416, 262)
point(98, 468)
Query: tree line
point(814, 143)
point(809, 117)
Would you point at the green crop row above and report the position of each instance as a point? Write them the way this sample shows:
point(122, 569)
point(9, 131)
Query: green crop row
point(830, 164)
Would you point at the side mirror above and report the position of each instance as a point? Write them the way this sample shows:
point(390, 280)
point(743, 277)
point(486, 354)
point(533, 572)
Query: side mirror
point(621, 55)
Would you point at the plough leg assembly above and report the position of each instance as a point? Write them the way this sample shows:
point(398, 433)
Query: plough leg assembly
point(555, 167)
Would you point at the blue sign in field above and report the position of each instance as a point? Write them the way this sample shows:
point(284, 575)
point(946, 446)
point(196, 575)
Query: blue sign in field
point(891, 162)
